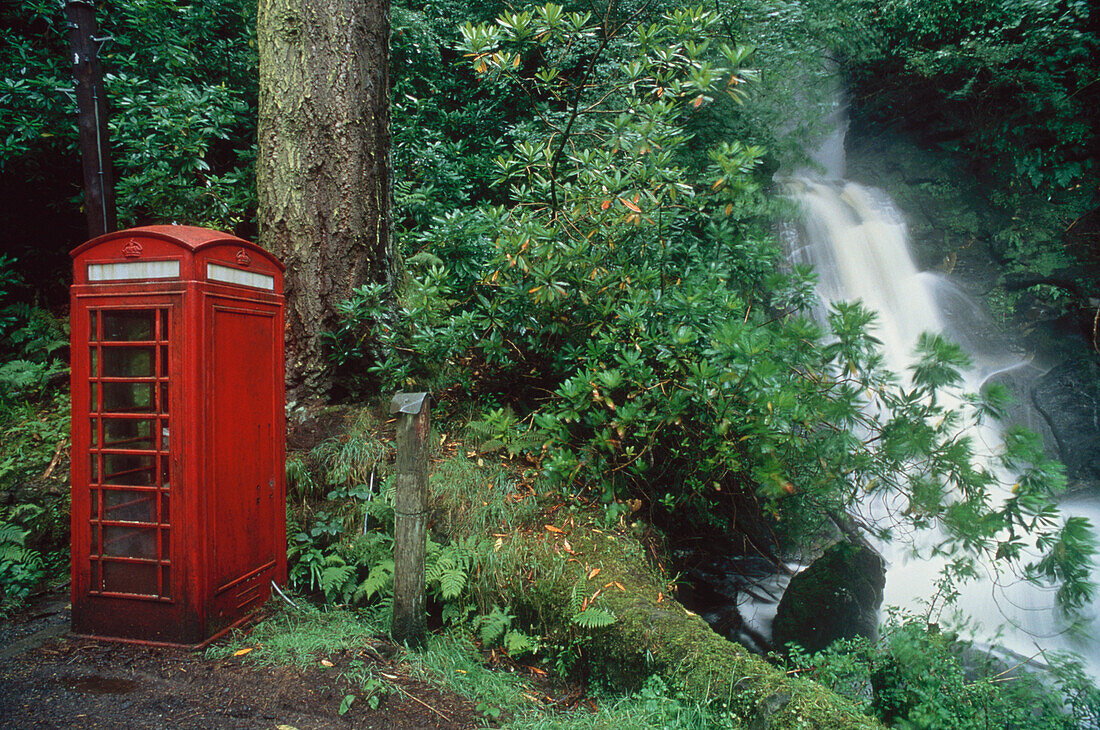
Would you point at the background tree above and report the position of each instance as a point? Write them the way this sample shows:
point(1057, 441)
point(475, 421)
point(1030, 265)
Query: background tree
point(630, 303)
point(323, 167)
point(181, 87)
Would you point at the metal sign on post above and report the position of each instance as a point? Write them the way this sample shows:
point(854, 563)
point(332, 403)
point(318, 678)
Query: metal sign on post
point(410, 517)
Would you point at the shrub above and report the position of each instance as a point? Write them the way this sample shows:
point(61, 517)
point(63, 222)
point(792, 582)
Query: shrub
point(917, 676)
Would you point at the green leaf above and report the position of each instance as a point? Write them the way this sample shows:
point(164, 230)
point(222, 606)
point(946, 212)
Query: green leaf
point(594, 618)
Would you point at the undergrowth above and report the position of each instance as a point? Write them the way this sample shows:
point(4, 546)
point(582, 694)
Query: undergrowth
point(919, 676)
point(299, 635)
point(480, 574)
point(34, 440)
point(456, 663)
point(517, 579)
point(306, 636)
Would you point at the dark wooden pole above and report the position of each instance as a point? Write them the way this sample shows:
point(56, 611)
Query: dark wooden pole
point(410, 506)
point(91, 101)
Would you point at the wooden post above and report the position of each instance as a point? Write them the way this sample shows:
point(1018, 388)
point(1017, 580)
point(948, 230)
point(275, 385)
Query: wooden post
point(91, 102)
point(410, 517)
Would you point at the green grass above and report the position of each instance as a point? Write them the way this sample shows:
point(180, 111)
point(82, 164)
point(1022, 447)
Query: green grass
point(528, 558)
point(490, 498)
point(298, 636)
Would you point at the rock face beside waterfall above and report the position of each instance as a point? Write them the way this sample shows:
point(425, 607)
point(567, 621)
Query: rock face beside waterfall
point(837, 597)
point(1068, 397)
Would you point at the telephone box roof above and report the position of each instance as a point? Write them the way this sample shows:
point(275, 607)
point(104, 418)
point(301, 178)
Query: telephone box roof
point(192, 238)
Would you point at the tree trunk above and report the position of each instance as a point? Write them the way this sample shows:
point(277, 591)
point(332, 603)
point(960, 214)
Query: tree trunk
point(323, 168)
point(91, 101)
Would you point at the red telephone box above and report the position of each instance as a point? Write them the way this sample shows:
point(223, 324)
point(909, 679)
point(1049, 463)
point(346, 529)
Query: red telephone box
point(178, 516)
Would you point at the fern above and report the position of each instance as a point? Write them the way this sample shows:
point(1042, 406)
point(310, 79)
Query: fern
point(336, 577)
point(455, 613)
point(501, 430)
point(448, 568)
point(19, 375)
point(379, 579)
point(12, 535)
point(518, 644)
point(10, 553)
point(494, 625)
point(452, 582)
point(594, 618)
point(434, 564)
point(21, 568)
point(576, 600)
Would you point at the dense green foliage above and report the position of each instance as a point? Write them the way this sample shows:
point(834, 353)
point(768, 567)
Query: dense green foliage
point(585, 202)
point(443, 138)
point(182, 94)
point(1007, 82)
point(181, 87)
point(919, 677)
point(34, 425)
point(22, 568)
point(631, 300)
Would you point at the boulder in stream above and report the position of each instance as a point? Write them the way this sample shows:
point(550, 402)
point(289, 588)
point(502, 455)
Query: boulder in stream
point(836, 597)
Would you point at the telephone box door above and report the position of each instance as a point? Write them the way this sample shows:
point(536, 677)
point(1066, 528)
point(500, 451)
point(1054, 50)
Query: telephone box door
point(127, 441)
point(242, 458)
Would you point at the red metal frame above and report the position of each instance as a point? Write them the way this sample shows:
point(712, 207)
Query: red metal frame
point(178, 494)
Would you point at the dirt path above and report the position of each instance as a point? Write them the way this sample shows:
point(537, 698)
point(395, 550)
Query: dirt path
point(49, 679)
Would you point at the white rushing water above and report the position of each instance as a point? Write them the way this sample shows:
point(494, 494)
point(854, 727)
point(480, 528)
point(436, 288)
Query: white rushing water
point(857, 241)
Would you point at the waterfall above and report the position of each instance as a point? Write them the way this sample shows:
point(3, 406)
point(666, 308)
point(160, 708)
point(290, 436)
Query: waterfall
point(857, 241)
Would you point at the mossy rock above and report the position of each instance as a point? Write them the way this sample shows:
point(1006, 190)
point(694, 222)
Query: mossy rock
point(837, 597)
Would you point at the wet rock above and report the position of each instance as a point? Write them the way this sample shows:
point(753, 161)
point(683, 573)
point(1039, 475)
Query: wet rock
point(1068, 397)
point(837, 597)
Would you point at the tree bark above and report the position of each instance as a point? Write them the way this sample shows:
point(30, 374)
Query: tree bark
point(91, 101)
point(323, 167)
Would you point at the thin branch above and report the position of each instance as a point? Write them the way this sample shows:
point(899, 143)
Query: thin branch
point(416, 699)
point(608, 35)
point(1095, 329)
